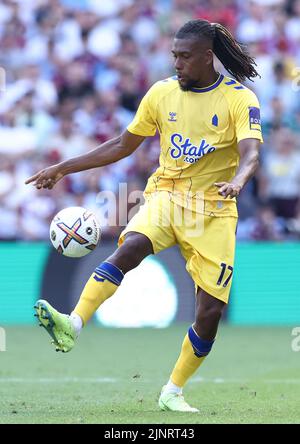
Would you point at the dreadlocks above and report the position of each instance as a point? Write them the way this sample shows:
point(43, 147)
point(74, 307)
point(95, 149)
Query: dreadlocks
point(231, 54)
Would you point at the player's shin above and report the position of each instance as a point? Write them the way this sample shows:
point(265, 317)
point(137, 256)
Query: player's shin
point(102, 284)
point(193, 352)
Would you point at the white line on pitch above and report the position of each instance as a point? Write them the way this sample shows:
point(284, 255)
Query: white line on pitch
point(104, 380)
point(59, 380)
point(246, 381)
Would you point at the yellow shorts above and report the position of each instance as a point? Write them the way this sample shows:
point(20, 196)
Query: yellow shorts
point(207, 243)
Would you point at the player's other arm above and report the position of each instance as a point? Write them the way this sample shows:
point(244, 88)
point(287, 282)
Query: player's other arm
point(105, 154)
point(249, 161)
point(245, 113)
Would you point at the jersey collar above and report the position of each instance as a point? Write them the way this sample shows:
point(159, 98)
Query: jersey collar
point(210, 87)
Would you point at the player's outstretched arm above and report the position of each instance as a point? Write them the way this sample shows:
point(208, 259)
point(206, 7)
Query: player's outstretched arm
point(249, 160)
point(108, 152)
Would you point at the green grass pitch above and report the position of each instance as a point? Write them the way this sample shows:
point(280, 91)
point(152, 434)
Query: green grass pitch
point(113, 376)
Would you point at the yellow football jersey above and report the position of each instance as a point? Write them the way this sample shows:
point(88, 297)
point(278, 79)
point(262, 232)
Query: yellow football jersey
point(199, 132)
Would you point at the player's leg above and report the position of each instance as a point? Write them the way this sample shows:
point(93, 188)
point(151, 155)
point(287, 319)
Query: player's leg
point(209, 259)
point(109, 274)
point(102, 284)
point(149, 231)
point(200, 338)
point(208, 312)
point(196, 346)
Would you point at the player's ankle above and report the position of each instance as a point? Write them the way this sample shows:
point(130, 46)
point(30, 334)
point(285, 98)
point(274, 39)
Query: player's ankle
point(76, 322)
point(170, 387)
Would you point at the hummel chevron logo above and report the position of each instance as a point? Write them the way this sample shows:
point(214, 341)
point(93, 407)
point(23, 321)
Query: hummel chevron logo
point(172, 117)
point(98, 278)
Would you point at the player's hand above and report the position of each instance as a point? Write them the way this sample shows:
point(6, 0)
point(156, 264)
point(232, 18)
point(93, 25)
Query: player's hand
point(228, 189)
point(46, 178)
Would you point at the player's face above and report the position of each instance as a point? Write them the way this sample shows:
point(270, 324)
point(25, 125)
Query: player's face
point(192, 60)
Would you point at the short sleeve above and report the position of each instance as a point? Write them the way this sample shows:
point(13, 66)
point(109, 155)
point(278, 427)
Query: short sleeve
point(246, 116)
point(144, 122)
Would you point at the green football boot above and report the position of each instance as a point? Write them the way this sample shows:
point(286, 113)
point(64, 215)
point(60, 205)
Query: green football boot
point(58, 325)
point(174, 402)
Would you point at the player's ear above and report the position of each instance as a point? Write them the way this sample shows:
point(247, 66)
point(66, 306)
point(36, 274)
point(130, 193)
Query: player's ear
point(209, 56)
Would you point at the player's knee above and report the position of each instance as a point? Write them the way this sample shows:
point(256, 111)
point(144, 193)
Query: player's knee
point(207, 321)
point(207, 314)
point(135, 248)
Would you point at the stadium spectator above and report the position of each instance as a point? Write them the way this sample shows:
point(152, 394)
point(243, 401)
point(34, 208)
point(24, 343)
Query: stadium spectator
point(266, 226)
point(75, 72)
point(281, 173)
point(65, 141)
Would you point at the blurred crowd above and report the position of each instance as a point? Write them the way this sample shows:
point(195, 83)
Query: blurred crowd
point(72, 75)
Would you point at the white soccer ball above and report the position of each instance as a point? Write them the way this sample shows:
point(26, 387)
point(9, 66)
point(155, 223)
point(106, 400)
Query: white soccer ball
point(75, 232)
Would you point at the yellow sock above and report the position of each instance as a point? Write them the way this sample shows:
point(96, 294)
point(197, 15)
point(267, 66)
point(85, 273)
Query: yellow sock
point(102, 284)
point(186, 364)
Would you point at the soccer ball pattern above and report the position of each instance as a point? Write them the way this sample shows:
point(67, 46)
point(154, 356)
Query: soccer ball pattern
point(75, 232)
